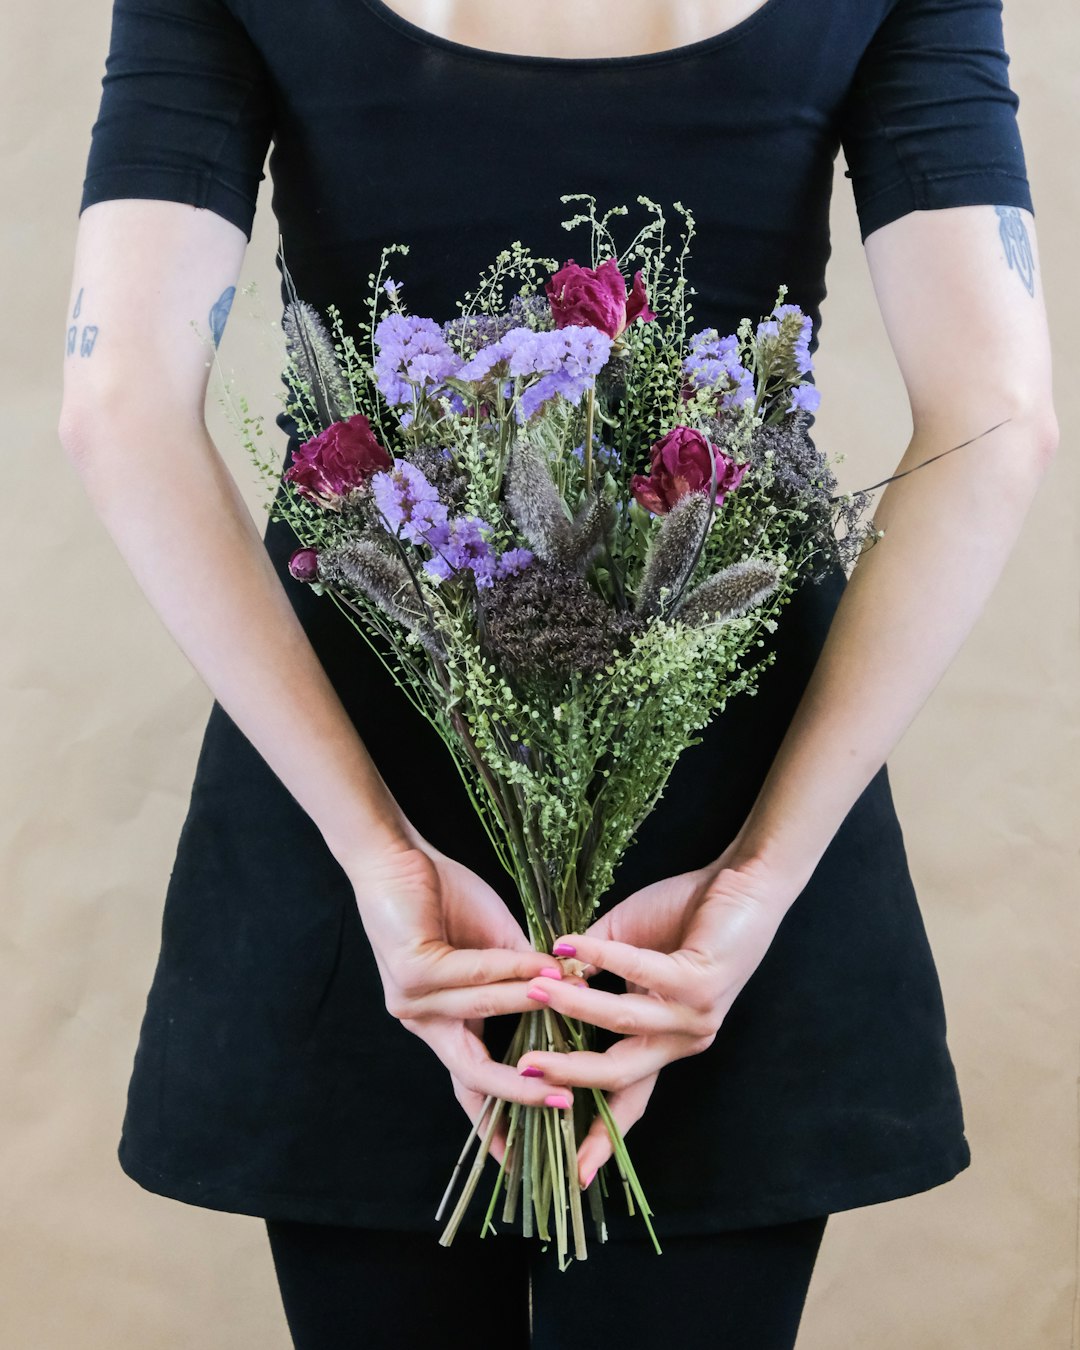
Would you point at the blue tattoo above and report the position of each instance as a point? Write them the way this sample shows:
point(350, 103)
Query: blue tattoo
point(89, 332)
point(220, 313)
point(1017, 245)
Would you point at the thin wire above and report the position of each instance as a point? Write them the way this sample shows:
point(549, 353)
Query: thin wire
point(895, 476)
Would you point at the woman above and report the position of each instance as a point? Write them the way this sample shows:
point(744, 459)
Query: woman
point(332, 886)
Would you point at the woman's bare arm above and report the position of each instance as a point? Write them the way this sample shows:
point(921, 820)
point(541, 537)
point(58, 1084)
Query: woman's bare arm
point(133, 425)
point(960, 293)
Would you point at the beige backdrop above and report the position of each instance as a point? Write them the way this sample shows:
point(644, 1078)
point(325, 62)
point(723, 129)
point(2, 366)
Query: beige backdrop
point(103, 717)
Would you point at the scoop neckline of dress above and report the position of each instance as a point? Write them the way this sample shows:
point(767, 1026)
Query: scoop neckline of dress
point(686, 50)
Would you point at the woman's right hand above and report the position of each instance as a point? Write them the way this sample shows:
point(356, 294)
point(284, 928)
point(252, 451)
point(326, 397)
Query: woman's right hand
point(450, 954)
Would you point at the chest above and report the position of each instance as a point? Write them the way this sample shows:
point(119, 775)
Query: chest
point(575, 28)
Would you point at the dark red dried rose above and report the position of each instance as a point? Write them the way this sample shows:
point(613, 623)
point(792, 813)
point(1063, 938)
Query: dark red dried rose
point(682, 462)
point(344, 456)
point(596, 297)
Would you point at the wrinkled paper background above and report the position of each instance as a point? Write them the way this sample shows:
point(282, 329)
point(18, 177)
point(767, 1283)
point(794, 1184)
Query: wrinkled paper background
point(104, 716)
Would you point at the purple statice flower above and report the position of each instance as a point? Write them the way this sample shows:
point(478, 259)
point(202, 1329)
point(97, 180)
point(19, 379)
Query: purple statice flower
point(408, 500)
point(488, 357)
point(412, 352)
point(460, 544)
point(804, 397)
point(513, 560)
point(713, 361)
point(567, 360)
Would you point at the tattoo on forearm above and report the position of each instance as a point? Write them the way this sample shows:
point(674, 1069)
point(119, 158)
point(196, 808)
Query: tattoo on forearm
point(1017, 245)
point(220, 312)
point(89, 332)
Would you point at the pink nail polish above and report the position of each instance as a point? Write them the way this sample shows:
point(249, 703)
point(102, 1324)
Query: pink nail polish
point(531, 1071)
point(556, 1100)
point(541, 995)
point(563, 949)
point(552, 972)
point(589, 1178)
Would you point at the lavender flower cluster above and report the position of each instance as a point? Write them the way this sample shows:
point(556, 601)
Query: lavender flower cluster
point(416, 358)
point(410, 505)
point(713, 361)
point(566, 359)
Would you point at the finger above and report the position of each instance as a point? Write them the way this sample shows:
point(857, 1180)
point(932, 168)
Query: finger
point(467, 1058)
point(666, 973)
point(476, 1001)
point(627, 1107)
point(629, 1014)
point(618, 1067)
point(439, 966)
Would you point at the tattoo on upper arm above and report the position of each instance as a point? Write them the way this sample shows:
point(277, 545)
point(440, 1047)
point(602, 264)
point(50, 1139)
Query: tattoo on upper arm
point(89, 332)
point(220, 312)
point(85, 344)
point(1017, 245)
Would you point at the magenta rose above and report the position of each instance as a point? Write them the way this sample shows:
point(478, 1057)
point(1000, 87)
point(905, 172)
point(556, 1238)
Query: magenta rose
point(344, 456)
point(681, 463)
point(596, 298)
point(304, 564)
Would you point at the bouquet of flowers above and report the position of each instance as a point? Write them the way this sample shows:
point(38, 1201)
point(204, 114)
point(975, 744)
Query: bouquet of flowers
point(563, 521)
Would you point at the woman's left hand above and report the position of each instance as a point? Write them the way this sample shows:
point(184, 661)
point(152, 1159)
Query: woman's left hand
point(686, 946)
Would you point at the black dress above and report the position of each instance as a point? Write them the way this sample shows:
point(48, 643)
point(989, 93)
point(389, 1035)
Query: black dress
point(269, 1078)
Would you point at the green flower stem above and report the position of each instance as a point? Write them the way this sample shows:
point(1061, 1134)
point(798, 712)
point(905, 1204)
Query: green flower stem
point(554, 1179)
point(587, 451)
point(527, 1177)
point(596, 1206)
point(581, 1250)
point(516, 1152)
point(473, 1177)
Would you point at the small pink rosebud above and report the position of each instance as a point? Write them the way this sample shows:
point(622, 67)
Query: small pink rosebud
point(304, 564)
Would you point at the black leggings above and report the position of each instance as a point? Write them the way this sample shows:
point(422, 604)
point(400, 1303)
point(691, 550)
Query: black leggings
point(349, 1288)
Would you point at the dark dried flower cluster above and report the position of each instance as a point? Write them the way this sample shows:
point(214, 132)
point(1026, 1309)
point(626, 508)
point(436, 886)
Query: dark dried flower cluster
point(547, 623)
point(470, 332)
point(530, 311)
point(801, 474)
point(857, 535)
point(438, 467)
point(799, 468)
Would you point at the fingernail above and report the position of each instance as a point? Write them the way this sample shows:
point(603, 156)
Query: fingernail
point(556, 1100)
point(589, 1179)
point(564, 949)
point(541, 995)
point(531, 1071)
point(552, 972)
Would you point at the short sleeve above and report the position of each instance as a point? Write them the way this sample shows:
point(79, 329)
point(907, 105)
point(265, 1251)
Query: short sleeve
point(186, 110)
point(930, 117)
